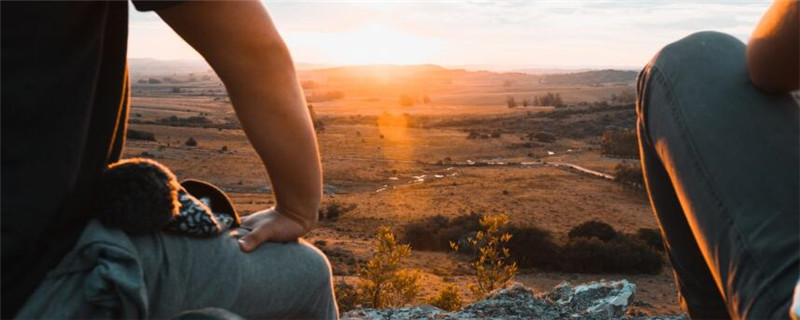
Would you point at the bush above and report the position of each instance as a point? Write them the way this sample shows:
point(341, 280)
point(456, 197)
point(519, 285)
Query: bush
point(544, 137)
point(449, 299)
point(629, 174)
point(510, 102)
point(333, 210)
point(383, 283)
point(140, 135)
point(620, 143)
point(651, 237)
point(435, 233)
point(597, 229)
point(319, 126)
point(623, 254)
point(346, 296)
point(533, 247)
point(492, 267)
point(153, 81)
point(549, 99)
point(191, 142)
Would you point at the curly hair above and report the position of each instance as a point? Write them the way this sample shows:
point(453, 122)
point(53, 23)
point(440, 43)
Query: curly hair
point(138, 196)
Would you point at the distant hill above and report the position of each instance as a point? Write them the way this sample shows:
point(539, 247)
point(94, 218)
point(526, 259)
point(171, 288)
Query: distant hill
point(142, 67)
point(413, 75)
point(427, 74)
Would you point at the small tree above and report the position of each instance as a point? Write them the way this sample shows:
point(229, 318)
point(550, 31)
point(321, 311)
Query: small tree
point(511, 102)
point(383, 283)
point(191, 142)
point(491, 265)
point(449, 299)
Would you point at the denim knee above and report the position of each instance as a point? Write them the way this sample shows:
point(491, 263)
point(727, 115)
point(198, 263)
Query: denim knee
point(691, 69)
point(317, 266)
point(698, 50)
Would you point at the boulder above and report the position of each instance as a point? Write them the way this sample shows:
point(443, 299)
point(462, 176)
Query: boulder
point(596, 300)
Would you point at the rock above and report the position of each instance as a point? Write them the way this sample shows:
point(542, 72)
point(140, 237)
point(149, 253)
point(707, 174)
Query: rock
point(418, 312)
point(597, 300)
point(329, 189)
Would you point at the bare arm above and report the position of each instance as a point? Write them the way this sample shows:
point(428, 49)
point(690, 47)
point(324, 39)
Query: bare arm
point(239, 40)
point(773, 54)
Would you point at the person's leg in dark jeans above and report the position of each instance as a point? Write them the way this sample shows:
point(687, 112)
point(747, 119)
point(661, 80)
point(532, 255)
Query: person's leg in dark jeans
point(721, 167)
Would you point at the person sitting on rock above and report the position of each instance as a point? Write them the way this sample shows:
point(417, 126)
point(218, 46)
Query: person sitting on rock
point(65, 104)
point(718, 138)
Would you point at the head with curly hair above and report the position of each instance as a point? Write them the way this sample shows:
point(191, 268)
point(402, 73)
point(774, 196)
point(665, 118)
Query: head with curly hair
point(138, 196)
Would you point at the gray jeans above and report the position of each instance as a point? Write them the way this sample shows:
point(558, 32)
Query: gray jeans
point(277, 280)
point(721, 166)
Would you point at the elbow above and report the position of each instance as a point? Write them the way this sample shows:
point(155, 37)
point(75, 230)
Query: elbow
point(771, 76)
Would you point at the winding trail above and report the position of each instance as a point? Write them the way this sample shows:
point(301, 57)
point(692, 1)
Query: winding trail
point(571, 167)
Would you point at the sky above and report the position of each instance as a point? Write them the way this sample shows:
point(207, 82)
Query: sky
point(475, 34)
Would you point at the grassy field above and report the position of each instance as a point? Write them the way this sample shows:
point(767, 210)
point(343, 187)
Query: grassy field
point(392, 164)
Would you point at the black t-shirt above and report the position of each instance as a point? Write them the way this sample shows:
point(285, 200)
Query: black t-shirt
point(64, 105)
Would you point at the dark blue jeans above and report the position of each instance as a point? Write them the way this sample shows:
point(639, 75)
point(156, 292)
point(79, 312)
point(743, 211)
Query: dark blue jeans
point(720, 160)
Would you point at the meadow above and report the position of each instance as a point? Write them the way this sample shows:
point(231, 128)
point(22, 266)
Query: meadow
point(402, 144)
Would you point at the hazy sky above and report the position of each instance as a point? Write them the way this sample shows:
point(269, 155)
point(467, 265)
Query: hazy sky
point(456, 33)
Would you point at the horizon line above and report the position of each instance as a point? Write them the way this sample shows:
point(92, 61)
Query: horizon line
point(469, 67)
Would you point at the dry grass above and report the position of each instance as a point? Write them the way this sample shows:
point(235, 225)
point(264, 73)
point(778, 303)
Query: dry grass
point(373, 162)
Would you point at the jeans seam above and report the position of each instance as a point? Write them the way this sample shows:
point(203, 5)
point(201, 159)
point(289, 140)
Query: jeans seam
point(686, 138)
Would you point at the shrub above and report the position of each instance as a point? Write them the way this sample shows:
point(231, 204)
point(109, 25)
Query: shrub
point(492, 267)
point(549, 99)
point(597, 229)
point(191, 142)
point(623, 254)
point(383, 283)
point(544, 137)
point(435, 233)
point(140, 135)
point(620, 143)
point(153, 81)
point(510, 102)
point(346, 296)
point(319, 126)
point(333, 210)
point(449, 299)
point(629, 173)
point(651, 237)
point(176, 90)
point(534, 247)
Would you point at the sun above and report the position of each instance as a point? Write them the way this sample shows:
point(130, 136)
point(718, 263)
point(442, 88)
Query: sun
point(371, 43)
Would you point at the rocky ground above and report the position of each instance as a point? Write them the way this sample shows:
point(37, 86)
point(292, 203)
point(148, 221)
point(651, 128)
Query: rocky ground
point(596, 300)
